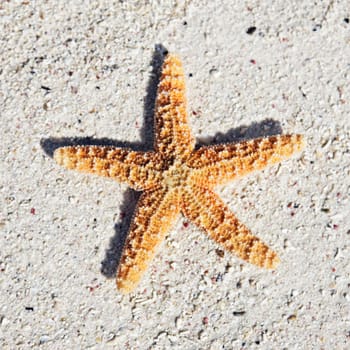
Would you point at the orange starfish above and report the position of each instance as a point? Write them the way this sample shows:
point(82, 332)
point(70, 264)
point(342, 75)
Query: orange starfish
point(177, 178)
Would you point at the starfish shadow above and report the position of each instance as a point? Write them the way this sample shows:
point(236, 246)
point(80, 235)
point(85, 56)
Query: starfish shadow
point(110, 263)
point(264, 128)
point(49, 145)
point(111, 260)
point(112, 257)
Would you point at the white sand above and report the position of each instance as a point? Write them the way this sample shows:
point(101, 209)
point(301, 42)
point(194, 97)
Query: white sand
point(56, 225)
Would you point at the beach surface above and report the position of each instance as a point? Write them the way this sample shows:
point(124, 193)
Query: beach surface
point(87, 71)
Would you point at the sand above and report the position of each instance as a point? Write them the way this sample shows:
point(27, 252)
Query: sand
point(87, 70)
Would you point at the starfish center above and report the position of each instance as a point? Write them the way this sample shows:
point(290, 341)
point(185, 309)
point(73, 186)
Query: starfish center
point(177, 175)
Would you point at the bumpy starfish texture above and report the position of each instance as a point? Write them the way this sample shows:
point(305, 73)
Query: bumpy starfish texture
point(177, 178)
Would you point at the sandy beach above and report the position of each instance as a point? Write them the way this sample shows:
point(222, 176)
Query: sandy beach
point(87, 71)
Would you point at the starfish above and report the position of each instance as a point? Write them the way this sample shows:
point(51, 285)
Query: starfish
point(175, 177)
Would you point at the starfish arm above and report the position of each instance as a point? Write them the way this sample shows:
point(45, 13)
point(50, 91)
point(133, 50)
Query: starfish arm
point(123, 165)
point(172, 132)
point(155, 213)
point(205, 209)
point(221, 163)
